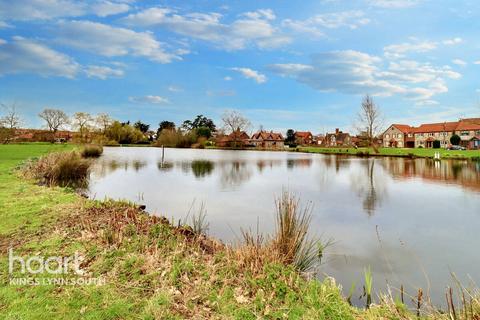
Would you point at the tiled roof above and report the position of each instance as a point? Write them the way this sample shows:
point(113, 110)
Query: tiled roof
point(303, 134)
point(436, 127)
point(405, 128)
point(469, 124)
point(264, 135)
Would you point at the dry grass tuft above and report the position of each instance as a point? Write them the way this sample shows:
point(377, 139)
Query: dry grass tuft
point(66, 169)
point(92, 151)
point(289, 245)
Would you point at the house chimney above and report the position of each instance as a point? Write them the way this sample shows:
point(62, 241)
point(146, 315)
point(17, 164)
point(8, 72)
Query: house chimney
point(337, 131)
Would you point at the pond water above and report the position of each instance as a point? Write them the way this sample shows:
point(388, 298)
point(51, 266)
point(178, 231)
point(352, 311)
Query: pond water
point(412, 221)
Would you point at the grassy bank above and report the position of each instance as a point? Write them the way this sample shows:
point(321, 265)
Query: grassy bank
point(396, 152)
point(150, 269)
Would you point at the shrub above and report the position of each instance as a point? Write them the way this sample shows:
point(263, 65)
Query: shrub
point(455, 139)
point(92, 151)
point(59, 169)
point(176, 138)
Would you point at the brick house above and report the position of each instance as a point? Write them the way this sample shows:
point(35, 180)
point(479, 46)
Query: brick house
point(267, 140)
point(338, 138)
point(236, 139)
point(303, 137)
point(424, 136)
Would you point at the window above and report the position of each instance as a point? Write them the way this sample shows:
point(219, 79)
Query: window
point(477, 132)
point(387, 136)
point(465, 133)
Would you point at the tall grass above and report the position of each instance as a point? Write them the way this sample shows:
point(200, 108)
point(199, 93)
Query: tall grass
point(289, 245)
point(92, 151)
point(66, 169)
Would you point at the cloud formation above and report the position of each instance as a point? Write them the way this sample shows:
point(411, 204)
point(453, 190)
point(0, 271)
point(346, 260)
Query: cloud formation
point(251, 74)
point(27, 56)
point(250, 28)
point(354, 72)
point(102, 72)
point(51, 9)
point(394, 4)
point(111, 41)
point(395, 51)
point(149, 99)
point(318, 23)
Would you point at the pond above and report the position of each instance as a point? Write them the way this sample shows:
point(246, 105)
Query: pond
point(412, 221)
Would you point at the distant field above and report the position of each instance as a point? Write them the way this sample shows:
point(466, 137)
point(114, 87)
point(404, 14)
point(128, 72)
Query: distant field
point(398, 152)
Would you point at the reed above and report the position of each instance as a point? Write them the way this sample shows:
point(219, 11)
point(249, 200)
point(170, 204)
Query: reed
point(368, 285)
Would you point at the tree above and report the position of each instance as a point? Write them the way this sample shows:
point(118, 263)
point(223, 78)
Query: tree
point(9, 122)
point(103, 121)
point(203, 132)
point(54, 118)
point(290, 139)
point(234, 121)
point(82, 121)
point(165, 125)
point(455, 139)
point(202, 121)
point(369, 119)
point(143, 127)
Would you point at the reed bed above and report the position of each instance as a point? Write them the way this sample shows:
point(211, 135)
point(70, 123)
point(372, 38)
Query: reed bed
point(92, 151)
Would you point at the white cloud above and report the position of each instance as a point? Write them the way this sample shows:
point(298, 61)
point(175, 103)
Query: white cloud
point(107, 8)
point(111, 41)
point(459, 62)
point(174, 89)
point(477, 62)
point(251, 74)
point(227, 78)
point(399, 50)
point(251, 28)
point(354, 72)
point(27, 56)
point(102, 72)
point(51, 9)
point(149, 99)
point(316, 24)
point(4, 25)
point(394, 4)
point(451, 42)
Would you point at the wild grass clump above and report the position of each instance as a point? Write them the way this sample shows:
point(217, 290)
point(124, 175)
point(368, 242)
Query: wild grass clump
point(66, 169)
point(289, 245)
point(92, 151)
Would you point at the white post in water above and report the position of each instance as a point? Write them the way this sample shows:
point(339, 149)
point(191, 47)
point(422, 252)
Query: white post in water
point(163, 154)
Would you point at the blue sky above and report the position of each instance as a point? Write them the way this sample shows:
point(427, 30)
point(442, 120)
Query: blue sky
point(283, 64)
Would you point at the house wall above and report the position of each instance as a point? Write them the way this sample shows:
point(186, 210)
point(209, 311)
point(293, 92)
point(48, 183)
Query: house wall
point(467, 135)
point(395, 134)
point(443, 137)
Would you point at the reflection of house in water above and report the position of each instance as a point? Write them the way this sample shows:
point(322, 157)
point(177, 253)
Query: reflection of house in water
point(339, 161)
point(262, 164)
point(234, 173)
point(463, 173)
point(299, 163)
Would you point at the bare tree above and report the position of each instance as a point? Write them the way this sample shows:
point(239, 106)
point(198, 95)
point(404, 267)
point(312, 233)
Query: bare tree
point(82, 121)
point(11, 119)
point(369, 119)
point(9, 122)
point(54, 118)
point(234, 121)
point(103, 121)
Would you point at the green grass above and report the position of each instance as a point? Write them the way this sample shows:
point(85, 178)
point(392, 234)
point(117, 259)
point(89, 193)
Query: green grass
point(396, 152)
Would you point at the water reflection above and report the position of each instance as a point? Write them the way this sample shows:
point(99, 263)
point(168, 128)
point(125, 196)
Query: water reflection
point(299, 163)
point(234, 173)
point(165, 166)
point(202, 168)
